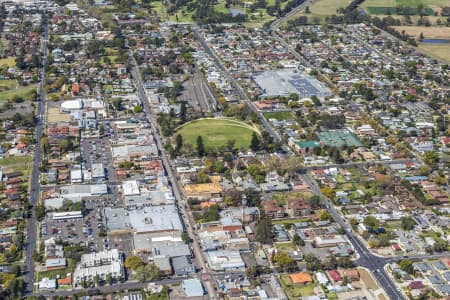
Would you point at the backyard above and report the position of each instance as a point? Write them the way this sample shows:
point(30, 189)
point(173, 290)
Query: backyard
point(294, 291)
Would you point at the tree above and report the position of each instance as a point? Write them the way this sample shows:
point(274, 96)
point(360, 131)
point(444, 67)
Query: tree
point(264, 230)
point(406, 266)
point(408, 223)
point(312, 262)
point(185, 237)
point(200, 146)
point(137, 109)
point(298, 240)
point(284, 260)
point(371, 221)
point(431, 158)
point(324, 215)
point(39, 211)
point(183, 110)
point(147, 272)
point(178, 142)
point(255, 143)
point(109, 278)
point(133, 262)
point(328, 192)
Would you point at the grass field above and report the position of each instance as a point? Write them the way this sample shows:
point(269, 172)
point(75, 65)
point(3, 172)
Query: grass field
point(17, 163)
point(429, 32)
point(217, 132)
point(183, 15)
point(322, 8)
point(381, 7)
point(290, 221)
point(440, 51)
point(279, 115)
point(9, 61)
point(9, 88)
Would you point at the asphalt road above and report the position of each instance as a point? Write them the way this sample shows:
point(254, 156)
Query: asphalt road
point(34, 186)
point(242, 95)
point(366, 258)
point(182, 204)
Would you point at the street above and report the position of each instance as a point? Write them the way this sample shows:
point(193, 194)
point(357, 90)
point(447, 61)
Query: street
point(34, 185)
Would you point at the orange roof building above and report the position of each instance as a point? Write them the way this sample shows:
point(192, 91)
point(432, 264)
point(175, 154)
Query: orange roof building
point(65, 281)
point(206, 204)
point(301, 278)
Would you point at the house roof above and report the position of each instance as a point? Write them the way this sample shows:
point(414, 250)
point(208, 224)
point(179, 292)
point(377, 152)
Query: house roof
point(301, 277)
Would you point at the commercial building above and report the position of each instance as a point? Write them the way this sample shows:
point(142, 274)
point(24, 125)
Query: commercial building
point(68, 215)
point(192, 288)
point(98, 171)
point(290, 81)
point(100, 264)
point(224, 260)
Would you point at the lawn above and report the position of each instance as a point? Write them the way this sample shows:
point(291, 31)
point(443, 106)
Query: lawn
point(327, 7)
point(16, 163)
point(439, 51)
point(296, 291)
point(8, 89)
point(217, 132)
point(9, 61)
point(320, 9)
point(382, 7)
point(279, 115)
point(52, 274)
point(428, 32)
point(290, 221)
point(283, 197)
point(285, 246)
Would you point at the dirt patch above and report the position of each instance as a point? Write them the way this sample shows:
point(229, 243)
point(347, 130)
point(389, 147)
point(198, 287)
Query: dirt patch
point(55, 116)
point(428, 32)
point(368, 279)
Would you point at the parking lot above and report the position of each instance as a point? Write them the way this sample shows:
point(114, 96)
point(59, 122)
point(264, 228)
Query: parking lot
point(83, 231)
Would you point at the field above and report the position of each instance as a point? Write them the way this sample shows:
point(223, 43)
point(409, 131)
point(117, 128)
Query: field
point(382, 7)
point(290, 221)
point(428, 32)
point(183, 15)
point(440, 51)
point(217, 132)
point(16, 163)
point(9, 88)
point(54, 115)
point(322, 8)
point(279, 115)
point(9, 61)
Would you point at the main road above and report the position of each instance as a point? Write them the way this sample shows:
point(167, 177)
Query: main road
point(34, 185)
point(182, 204)
point(366, 258)
point(238, 89)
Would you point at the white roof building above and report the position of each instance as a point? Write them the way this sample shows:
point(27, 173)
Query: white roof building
point(47, 284)
point(130, 187)
point(70, 105)
point(225, 260)
point(193, 287)
point(99, 264)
